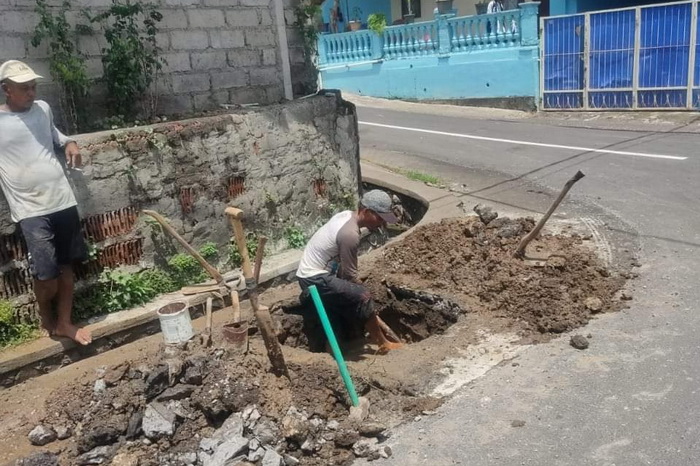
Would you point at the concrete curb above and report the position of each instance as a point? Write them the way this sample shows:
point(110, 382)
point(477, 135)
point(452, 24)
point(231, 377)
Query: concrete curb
point(44, 355)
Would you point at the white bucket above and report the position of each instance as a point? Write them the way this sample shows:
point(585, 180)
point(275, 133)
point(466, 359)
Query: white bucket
point(175, 322)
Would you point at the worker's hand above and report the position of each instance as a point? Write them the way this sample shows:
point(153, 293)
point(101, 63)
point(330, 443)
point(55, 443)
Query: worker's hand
point(73, 158)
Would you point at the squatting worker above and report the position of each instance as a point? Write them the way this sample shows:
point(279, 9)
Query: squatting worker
point(40, 197)
point(330, 262)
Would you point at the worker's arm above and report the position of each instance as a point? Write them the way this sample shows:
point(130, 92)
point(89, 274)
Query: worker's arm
point(73, 157)
point(348, 243)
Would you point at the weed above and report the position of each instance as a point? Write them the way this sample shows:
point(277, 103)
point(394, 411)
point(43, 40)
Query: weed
point(235, 256)
point(124, 290)
point(133, 58)
point(159, 281)
point(296, 239)
point(11, 331)
point(422, 177)
point(66, 64)
point(185, 270)
point(209, 250)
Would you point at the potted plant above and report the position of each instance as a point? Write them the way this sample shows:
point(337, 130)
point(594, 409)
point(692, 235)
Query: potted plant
point(444, 6)
point(376, 22)
point(356, 23)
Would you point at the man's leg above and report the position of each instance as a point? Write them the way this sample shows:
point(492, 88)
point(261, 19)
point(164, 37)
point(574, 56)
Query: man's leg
point(70, 248)
point(45, 292)
point(64, 306)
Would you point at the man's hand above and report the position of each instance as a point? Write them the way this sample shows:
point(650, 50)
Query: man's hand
point(73, 158)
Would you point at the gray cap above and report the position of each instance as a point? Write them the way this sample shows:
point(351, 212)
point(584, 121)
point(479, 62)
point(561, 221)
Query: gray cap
point(379, 202)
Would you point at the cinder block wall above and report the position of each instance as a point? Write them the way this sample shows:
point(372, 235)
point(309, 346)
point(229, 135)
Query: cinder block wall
point(218, 51)
point(288, 165)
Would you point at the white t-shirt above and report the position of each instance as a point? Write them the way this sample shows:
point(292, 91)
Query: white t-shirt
point(31, 177)
point(336, 241)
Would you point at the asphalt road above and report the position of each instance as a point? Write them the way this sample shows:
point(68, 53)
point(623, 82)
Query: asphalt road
point(630, 399)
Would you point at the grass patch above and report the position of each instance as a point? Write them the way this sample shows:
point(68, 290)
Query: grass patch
point(13, 332)
point(420, 176)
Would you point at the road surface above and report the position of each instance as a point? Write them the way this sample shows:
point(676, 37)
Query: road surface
point(630, 399)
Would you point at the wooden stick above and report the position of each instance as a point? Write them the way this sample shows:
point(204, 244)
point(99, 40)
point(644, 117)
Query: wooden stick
point(259, 258)
point(166, 226)
point(520, 251)
point(262, 314)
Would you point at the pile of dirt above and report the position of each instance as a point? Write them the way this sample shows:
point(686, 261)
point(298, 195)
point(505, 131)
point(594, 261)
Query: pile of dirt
point(201, 406)
point(471, 263)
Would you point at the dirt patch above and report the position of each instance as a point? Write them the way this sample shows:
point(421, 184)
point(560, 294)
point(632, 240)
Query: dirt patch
point(471, 263)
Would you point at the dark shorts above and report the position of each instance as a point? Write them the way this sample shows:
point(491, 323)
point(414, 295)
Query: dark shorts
point(340, 296)
point(53, 241)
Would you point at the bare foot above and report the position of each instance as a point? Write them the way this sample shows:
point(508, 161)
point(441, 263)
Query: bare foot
point(388, 346)
point(79, 335)
point(45, 332)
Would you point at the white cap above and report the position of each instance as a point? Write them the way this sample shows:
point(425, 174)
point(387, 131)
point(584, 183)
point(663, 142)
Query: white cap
point(17, 72)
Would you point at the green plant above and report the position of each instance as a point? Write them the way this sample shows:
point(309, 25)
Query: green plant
point(11, 331)
point(376, 22)
point(305, 23)
point(159, 281)
point(422, 177)
point(123, 290)
point(296, 239)
point(185, 270)
point(209, 250)
point(235, 256)
point(66, 64)
point(133, 58)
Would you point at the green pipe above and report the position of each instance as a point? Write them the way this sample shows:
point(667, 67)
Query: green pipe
point(334, 345)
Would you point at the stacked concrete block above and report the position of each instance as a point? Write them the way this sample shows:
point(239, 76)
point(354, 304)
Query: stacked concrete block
point(217, 51)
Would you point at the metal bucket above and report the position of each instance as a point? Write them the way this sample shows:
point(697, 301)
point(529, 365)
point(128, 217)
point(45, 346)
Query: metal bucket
point(236, 335)
point(175, 322)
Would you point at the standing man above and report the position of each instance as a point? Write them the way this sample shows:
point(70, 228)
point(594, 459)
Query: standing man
point(40, 197)
point(330, 262)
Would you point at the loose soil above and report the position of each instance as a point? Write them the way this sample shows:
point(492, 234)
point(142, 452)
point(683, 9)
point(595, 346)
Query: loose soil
point(439, 288)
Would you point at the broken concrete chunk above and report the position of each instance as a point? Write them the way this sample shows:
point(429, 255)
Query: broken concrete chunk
point(333, 425)
point(372, 429)
point(133, 429)
point(579, 342)
point(256, 455)
point(295, 425)
point(510, 230)
point(158, 421)
point(593, 304)
point(125, 459)
point(346, 438)
point(231, 428)
point(157, 381)
point(99, 455)
point(359, 413)
point(63, 432)
point(44, 458)
point(178, 392)
point(42, 435)
point(365, 448)
point(175, 368)
point(289, 460)
point(105, 434)
point(271, 458)
point(266, 431)
point(228, 450)
point(485, 213)
point(517, 423)
point(116, 373)
point(99, 387)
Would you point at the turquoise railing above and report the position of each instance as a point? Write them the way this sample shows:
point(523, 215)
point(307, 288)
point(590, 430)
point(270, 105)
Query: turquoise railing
point(483, 31)
point(411, 40)
point(441, 37)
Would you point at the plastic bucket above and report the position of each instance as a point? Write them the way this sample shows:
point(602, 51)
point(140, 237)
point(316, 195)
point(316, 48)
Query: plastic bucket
point(175, 322)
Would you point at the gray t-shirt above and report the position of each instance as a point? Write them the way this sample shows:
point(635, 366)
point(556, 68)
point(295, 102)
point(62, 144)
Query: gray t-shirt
point(31, 177)
point(336, 241)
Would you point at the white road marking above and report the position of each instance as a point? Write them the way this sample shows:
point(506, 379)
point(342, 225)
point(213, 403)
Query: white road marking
point(527, 143)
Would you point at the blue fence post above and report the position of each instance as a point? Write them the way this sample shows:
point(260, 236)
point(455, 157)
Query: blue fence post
point(528, 23)
point(377, 46)
point(444, 36)
point(321, 45)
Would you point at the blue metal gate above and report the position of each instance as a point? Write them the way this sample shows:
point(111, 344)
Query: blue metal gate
point(628, 59)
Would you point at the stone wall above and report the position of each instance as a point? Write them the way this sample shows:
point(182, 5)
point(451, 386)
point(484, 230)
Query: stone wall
point(286, 165)
point(217, 51)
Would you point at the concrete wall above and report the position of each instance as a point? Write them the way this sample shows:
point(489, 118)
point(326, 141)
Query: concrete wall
point(486, 74)
point(291, 164)
point(218, 51)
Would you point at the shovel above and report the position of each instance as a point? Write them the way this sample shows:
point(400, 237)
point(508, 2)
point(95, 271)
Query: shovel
point(262, 314)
